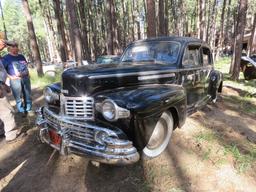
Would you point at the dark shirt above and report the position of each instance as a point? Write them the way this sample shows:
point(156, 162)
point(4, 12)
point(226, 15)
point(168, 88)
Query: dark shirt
point(15, 65)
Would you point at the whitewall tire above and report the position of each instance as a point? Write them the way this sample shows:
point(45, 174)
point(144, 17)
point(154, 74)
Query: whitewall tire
point(160, 136)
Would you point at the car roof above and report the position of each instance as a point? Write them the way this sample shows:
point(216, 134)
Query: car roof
point(182, 40)
point(108, 56)
point(171, 38)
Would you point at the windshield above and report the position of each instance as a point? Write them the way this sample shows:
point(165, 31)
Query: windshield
point(158, 52)
point(107, 60)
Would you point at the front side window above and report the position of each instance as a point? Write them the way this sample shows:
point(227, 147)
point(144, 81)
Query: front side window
point(191, 56)
point(157, 52)
point(207, 56)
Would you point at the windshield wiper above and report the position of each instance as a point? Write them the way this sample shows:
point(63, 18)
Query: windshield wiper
point(146, 60)
point(128, 60)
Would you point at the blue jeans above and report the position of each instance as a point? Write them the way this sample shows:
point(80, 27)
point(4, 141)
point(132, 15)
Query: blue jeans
point(22, 88)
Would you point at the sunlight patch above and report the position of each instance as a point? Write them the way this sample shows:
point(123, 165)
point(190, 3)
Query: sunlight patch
point(6, 180)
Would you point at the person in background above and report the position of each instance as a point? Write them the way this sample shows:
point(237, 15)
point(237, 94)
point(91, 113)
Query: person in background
point(17, 69)
point(6, 115)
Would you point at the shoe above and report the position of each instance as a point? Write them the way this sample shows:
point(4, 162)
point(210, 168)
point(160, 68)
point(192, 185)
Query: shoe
point(18, 138)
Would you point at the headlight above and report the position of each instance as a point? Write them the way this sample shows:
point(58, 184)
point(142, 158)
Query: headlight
point(50, 96)
point(112, 112)
point(109, 110)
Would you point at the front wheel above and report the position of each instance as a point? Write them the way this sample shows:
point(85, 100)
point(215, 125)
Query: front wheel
point(160, 136)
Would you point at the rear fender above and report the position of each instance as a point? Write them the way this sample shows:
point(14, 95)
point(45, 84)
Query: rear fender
point(215, 84)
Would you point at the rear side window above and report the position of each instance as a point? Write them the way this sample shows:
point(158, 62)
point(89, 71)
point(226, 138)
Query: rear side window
point(207, 56)
point(191, 57)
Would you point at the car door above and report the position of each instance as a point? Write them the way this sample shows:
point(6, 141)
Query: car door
point(191, 75)
point(207, 67)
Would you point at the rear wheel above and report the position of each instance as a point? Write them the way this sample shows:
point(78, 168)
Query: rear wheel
point(160, 136)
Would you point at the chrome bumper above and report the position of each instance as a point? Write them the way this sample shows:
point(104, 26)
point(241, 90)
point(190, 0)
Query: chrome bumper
point(97, 142)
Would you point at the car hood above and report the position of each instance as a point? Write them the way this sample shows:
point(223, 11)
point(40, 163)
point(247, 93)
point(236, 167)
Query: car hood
point(86, 80)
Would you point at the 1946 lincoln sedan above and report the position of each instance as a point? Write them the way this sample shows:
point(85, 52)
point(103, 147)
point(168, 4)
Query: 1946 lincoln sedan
point(117, 113)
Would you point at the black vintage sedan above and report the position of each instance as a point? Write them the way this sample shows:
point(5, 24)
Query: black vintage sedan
point(117, 113)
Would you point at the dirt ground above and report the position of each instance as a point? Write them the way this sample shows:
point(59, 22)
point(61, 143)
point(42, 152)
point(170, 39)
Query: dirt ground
point(210, 153)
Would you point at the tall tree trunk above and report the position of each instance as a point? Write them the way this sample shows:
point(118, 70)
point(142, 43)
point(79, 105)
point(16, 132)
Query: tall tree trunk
point(175, 17)
point(95, 28)
point(202, 20)
point(111, 27)
point(213, 24)
point(115, 29)
point(240, 26)
point(124, 23)
point(194, 22)
point(151, 18)
point(61, 32)
point(49, 43)
point(84, 31)
point(110, 34)
point(33, 40)
point(161, 22)
point(197, 18)
point(74, 27)
point(93, 15)
point(220, 41)
point(138, 21)
point(166, 17)
point(228, 25)
point(52, 39)
point(145, 19)
point(133, 20)
point(2, 15)
point(182, 17)
point(208, 21)
point(252, 44)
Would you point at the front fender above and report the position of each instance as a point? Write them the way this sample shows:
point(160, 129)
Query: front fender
point(146, 104)
point(149, 101)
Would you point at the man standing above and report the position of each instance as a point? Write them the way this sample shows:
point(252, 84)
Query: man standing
point(17, 69)
point(6, 114)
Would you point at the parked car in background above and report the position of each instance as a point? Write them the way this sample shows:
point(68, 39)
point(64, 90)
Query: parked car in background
point(119, 112)
point(108, 59)
point(248, 66)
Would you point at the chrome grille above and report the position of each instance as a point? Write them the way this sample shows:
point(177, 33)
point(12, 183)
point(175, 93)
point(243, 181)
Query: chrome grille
point(79, 107)
point(76, 130)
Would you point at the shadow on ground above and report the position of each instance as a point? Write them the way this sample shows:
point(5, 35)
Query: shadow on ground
point(25, 165)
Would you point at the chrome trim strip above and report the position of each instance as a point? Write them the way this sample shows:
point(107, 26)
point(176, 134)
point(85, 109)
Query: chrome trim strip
point(149, 77)
point(76, 125)
point(146, 73)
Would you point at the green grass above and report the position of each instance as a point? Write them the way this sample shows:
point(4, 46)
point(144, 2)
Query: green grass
point(206, 154)
point(223, 64)
point(242, 161)
point(246, 89)
point(244, 104)
point(205, 136)
point(41, 82)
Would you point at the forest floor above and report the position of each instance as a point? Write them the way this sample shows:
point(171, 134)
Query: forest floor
point(214, 151)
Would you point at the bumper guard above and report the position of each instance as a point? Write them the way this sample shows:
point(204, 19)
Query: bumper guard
point(96, 142)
